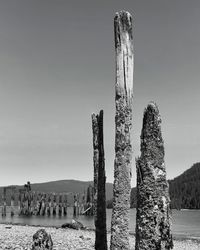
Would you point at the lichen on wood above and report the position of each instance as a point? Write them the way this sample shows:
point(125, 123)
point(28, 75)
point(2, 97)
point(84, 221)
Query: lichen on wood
point(153, 227)
point(123, 124)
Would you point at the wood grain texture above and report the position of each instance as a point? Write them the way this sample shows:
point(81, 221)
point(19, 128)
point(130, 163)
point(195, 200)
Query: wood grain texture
point(123, 124)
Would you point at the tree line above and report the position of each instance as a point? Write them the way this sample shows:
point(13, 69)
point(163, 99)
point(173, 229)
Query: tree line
point(184, 190)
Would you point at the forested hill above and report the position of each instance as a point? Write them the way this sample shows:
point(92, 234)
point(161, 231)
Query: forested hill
point(185, 189)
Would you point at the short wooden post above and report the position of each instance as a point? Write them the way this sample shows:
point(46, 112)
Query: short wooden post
point(65, 205)
point(57, 204)
point(51, 204)
point(54, 204)
point(48, 205)
point(12, 204)
point(75, 205)
point(60, 205)
point(4, 202)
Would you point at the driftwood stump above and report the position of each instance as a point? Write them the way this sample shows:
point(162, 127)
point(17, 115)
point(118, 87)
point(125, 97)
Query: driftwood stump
point(42, 241)
point(153, 213)
point(123, 124)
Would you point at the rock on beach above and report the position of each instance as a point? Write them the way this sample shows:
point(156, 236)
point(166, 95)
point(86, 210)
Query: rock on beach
point(42, 240)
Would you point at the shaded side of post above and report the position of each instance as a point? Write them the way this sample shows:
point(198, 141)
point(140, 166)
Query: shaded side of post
point(99, 183)
point(123, 124)
point(153, 212)
point(95, 131)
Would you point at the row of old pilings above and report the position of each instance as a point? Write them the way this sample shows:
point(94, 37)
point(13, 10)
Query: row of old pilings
point(84, 204)
point(35, 203)
point(42, 204)
point(4, 203)
point(38, 203)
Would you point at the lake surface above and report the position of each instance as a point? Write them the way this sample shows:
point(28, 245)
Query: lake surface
point(185, 223)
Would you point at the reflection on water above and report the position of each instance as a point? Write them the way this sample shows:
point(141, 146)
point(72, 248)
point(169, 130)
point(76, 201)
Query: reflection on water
point(184, 222)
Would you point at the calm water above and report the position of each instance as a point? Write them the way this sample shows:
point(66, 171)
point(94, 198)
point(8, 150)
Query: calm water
point(185, 222)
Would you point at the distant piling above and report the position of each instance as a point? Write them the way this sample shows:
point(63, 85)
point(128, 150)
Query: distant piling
point(4, 202)
point(12, 204)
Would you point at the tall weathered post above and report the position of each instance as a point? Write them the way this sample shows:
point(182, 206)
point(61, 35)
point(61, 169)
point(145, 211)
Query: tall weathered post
point(99, 183)
point(123, 124)
point(153, 212)
point(95, 131)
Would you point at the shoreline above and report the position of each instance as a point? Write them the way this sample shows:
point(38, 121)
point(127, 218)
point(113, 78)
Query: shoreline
point(176, 237)
point(20, 237)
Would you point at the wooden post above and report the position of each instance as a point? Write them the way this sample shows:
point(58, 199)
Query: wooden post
point(75, 205)
point(19, 202)
point(42, 202)
point(51, 204)
point(153, 212)
point(4, 202)
point(57, 204)
point(29, 198)
point(99, 164)
point(37, 203)
point(123, 124)
point(83, 203)
point(32, 203)
point(12, 204)
point(60, 205)
point(65, 205)
point(95, 131)
point(48, 203)
point(54, 204)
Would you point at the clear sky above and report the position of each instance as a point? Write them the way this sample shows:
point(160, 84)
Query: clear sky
point(57, 67)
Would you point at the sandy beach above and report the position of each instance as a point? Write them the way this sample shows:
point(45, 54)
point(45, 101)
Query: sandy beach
point(19, 237)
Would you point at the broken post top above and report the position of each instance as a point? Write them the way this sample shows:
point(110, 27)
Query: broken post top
point(123, 27)
point(96, 117)
point(151, 136)
point(97, 125)
point(124, 55)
